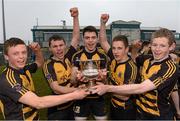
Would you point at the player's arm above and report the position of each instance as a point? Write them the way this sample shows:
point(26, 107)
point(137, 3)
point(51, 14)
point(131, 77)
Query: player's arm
point(38, 53)
point(29, 98)
point(102, 34)
point(128, 89)
point(61, 89)
point(175, 98)
point(76, 32)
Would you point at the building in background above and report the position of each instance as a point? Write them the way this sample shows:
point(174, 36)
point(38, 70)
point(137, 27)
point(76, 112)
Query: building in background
point(131, 29)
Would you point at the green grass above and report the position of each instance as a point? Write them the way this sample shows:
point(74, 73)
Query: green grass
point(41, 87)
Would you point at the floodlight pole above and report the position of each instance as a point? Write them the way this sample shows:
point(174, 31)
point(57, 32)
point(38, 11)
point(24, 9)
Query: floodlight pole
point(3, 20)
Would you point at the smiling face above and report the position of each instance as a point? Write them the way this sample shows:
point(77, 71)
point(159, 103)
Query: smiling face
point(90, 41)
point(58, 49)
point(119, 51)
point(17, 56)
point(160, 48)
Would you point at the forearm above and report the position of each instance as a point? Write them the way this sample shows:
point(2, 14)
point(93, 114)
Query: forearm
point(128, 89)
point(64, 90)
point(175, 98)
point(39, 58)
point(125, 89)
point(103, 38)
point(76, 32)
point(47, 101)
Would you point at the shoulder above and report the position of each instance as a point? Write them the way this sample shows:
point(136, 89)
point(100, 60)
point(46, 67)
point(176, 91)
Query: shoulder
point(78, 53)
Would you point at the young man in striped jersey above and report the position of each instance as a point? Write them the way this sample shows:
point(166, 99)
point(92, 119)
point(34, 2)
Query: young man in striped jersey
point(158, 77)
point(17, 93)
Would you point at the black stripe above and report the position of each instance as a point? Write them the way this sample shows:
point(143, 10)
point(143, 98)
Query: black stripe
point(30, 113)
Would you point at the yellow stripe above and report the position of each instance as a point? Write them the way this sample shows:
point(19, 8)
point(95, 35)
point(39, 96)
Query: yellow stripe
point(169, 73)
point(7, 76)
point(27, 109)
point(148, 110)
point(2, 108)
point(150, 96)
point(134, 71)
point(169, 69)
point(10, 77)
point(173, 68)
point(148, 102)
point(118, 103)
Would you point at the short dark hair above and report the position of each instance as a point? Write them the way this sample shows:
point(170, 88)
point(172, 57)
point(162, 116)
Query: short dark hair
point(90, 29)
point(12, 42)
point(56, 38)
point(163, 32)
point(121, 38)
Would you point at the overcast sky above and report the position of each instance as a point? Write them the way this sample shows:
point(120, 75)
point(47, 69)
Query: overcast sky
point(21, 15)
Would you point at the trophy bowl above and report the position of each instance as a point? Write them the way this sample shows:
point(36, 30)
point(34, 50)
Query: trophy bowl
point(90, 72)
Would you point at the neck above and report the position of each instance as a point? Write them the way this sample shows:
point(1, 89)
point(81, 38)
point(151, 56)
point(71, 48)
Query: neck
point(57, 59)
point(155, 60)
point(124, 59)
point(90, 51)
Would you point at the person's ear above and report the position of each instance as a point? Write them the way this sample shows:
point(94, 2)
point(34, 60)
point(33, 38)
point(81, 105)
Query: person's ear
point(6, 57)
point(171, 48)
point(127, 49)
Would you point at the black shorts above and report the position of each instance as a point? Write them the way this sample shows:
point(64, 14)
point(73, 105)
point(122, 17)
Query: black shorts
point(119, 113)
point(63, 114)
point(96, 106)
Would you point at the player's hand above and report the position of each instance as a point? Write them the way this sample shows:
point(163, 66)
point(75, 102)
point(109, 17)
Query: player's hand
point(136, 44)
point(99, 89)
point(80, 93)
point(102, 74)
point(104, 18)
point(74, 12)
point(35, 46)
point(80, 77)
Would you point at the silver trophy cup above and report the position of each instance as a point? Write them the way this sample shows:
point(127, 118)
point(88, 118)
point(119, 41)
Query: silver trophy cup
point(90, 72)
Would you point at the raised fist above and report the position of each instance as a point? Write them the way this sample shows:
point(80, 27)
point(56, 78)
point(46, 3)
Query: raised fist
point(74, 12)
point(104, 18)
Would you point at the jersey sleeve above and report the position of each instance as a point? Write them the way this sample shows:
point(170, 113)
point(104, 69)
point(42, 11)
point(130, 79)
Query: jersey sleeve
point(31, 67)
point(110, 54)
point(11, 86)
point(75, 61)
point(130, 73)
point(166, 76)
point(49, 72)
point(70, 52)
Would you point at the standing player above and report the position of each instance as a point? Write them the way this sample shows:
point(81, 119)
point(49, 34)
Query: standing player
point(57, 70)
point(123, 71)
point(17, 93)
point(159, 76)
point(94, 104)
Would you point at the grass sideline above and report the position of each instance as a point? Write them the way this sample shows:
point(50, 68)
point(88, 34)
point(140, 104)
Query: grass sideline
point(41, 87)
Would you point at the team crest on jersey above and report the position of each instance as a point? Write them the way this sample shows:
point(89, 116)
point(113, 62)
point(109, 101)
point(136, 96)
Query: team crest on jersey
point(17, 87)
point(48, 76)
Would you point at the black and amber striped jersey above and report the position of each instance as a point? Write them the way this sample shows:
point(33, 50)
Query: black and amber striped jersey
point(164, 75)
point(13, 85)
point(60, 71)
point(121, 73)
point(83, 55)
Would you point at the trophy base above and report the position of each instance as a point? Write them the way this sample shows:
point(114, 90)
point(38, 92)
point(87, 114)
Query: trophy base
point(90, 85)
